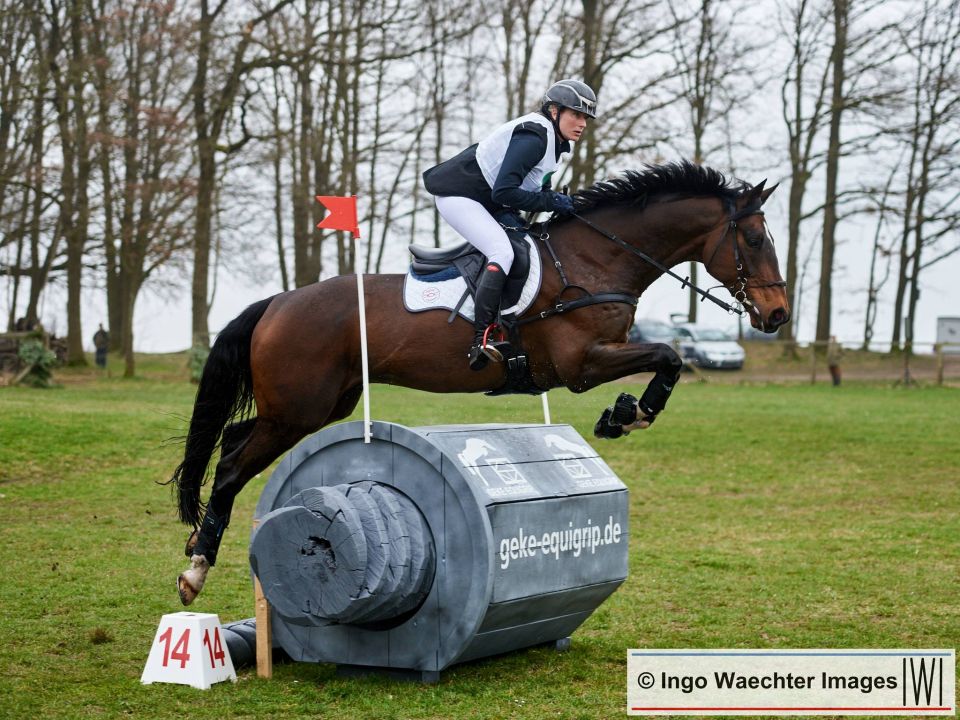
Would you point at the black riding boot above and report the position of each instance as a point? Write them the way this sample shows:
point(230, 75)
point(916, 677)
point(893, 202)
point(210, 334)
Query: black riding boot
point(486, 305)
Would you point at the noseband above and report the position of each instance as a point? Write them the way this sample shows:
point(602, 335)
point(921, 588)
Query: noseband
point(744, 277)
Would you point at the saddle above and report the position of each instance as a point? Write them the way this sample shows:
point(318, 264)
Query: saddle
point(468, 262)
point(464, 262)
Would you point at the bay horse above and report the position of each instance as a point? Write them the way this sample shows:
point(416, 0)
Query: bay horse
point(295, 357)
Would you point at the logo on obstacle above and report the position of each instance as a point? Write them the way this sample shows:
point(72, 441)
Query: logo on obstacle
point(500, 477)
point(581, 464)
point(188, 649)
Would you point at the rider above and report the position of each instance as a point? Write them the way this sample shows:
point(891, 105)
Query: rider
point(483, 186)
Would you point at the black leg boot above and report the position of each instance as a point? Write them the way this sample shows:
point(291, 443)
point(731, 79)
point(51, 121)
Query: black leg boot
point(486, 305)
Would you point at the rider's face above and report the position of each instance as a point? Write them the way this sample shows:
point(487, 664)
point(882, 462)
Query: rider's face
point(572, 124)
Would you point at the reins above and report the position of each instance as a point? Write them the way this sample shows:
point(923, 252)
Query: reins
point(684, 281)
point(738, 290)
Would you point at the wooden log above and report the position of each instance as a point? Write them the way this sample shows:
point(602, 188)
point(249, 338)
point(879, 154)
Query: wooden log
point(349, 554)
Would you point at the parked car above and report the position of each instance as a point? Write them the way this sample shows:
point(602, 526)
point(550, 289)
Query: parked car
point(645, 330)
point(709, 347)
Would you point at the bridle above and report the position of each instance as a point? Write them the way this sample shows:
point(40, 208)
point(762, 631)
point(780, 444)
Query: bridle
point(739, 289)
point(744, 277)
point(739, 293)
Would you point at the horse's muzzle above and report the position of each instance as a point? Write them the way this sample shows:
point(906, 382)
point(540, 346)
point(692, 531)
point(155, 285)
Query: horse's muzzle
point(776, 318)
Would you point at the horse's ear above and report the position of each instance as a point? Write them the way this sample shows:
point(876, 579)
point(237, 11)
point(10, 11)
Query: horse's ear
point(753, 194)
point(767, 193)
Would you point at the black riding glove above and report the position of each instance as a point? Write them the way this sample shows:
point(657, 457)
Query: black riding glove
point(561, 204)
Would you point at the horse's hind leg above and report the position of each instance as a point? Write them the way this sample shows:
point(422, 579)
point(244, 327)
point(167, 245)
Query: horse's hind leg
point(249, 448)
point(234, 435)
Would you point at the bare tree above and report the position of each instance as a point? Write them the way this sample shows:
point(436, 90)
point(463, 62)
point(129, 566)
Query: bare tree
point(878, 252)
point(21, 124)
point(68, 61)
point(524, 25)
point(931, 213)
point(802, 96)
point(711, 61)
point(154, 188)
point(615, 38)
point(860, 56)
point(213, 102)
point(838, 58)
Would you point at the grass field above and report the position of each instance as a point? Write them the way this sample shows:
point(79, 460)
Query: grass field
point(761, 516)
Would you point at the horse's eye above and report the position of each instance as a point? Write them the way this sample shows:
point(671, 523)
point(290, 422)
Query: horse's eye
point(754, 241)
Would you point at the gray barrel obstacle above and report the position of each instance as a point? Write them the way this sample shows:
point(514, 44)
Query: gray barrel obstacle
point(436, 545)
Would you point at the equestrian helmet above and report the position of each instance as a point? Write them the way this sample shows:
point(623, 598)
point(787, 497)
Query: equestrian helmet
point(572, 94)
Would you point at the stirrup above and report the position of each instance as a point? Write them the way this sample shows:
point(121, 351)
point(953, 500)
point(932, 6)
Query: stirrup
point(491, 347)
point(492, 351)
point(477, 358)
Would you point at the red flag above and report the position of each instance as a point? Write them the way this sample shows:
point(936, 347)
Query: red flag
point(343, 213)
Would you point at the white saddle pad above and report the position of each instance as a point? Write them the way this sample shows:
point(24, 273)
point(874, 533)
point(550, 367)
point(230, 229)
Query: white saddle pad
point(420, 294)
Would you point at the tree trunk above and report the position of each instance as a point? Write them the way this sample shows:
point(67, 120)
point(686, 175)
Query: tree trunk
point(838, 55)
point(130, 301)
point(200, 311)
point(104, 91)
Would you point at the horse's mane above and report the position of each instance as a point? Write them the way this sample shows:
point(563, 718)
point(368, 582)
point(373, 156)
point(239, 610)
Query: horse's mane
point(678, 178)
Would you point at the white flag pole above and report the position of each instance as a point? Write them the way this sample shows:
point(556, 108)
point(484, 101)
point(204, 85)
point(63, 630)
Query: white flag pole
point(337, 208)
point(364, 362)
point(546, 409)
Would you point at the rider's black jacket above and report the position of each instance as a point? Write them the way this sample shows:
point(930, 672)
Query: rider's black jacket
point(461, 175)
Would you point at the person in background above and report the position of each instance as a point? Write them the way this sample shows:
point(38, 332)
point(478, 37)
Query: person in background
point(834, 353)
point(101, 341)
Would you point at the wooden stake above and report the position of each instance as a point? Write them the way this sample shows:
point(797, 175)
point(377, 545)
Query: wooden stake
point(264, 628)
point(939, 350)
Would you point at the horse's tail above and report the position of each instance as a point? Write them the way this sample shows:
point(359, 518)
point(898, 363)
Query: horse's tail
point(225, 392)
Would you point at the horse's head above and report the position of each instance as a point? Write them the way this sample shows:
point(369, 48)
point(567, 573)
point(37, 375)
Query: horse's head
point(742, 257)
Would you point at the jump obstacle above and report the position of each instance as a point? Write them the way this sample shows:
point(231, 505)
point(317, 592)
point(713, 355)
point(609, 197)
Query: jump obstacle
point(431, 546)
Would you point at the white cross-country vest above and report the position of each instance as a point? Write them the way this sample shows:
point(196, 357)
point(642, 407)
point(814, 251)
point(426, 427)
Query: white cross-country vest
point(491, 150)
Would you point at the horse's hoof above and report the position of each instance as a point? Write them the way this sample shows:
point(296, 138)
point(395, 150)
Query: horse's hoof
point(191, 581)
point(186, 592)
point(191, 543)
point(605, 428)
point(624, 410)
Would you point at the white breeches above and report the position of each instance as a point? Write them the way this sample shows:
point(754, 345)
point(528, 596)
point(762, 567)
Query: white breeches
point(477, 226)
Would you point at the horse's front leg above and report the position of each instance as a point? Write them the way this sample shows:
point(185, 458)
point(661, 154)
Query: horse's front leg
point(610, 361)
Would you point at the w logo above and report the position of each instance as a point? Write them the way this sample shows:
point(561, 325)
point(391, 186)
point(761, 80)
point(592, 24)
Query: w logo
point(923, 681)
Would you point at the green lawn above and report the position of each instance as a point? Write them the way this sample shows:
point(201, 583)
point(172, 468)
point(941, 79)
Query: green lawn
point(761, 516)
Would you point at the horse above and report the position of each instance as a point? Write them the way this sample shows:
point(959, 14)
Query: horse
point(296, 357)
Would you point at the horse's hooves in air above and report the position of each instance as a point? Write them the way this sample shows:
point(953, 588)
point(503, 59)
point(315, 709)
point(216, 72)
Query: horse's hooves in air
point(187, 593)
point(191, 581)
point(606, 428)
point(624, 411)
